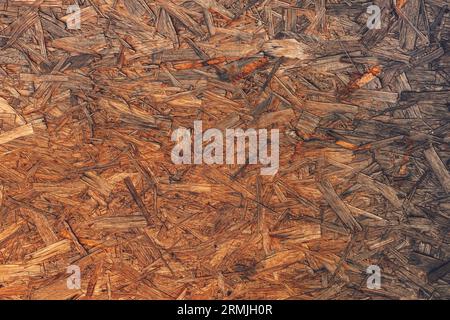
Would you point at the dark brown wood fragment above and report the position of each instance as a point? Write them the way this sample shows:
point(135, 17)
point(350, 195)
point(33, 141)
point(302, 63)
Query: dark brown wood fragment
point(137, 198)
point(338, 205)
point(439, 272)
point(438, 168)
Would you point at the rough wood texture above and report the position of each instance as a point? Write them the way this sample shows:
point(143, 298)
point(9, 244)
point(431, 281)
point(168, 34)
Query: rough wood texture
point(86, 177)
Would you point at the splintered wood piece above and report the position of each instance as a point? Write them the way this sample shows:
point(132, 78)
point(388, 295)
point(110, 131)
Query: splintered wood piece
point(75, 240)
point(43, 226)
point(9, 272)
point(338, 205)
point(308, 123)
point(10, 230)
point(137, 198)
point(56, 290)
point(387, 191)
point(6, 108)
point(289, 48)
point(181, 14)
point(439, 272)
point(19, 132)
point(282, 116)
point(49, 252)
point(438, 168)
point(119, 223)
point(280, 260)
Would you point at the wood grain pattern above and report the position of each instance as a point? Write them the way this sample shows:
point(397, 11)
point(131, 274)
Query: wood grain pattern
point(87, 180)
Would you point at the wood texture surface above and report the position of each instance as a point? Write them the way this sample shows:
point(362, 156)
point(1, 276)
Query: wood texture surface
point(86, 177)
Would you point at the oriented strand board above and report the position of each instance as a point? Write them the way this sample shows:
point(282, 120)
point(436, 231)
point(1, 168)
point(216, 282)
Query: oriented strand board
point(87, 181)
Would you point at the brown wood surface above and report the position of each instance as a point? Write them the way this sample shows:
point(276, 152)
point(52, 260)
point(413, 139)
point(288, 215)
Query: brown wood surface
point(86, 177)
